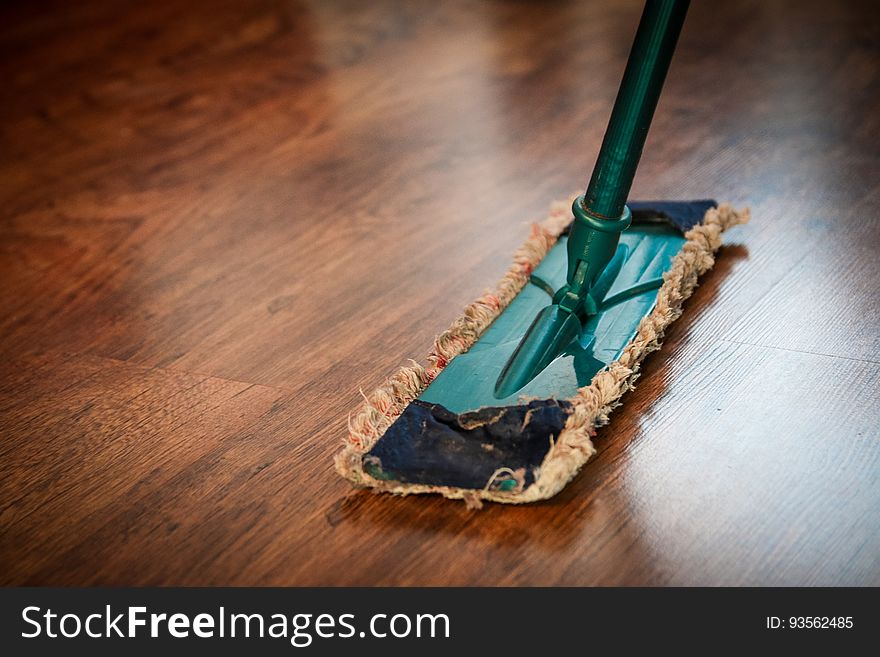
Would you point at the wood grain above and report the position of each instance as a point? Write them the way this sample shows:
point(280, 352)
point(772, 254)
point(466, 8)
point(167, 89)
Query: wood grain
point(220, 220)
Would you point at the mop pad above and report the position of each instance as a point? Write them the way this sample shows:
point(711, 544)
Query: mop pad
point(553, 438)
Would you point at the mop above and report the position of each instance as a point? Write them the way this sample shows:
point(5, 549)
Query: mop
point(511, 397)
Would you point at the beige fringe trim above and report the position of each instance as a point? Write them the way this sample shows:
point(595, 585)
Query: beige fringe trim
point(592, 404)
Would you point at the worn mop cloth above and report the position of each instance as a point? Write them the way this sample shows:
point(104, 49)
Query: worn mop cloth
point(571, 424)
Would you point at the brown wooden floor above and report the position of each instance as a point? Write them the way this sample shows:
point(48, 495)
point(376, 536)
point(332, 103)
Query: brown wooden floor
point(220, 220)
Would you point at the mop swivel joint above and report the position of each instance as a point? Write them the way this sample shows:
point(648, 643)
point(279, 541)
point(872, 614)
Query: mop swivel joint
point(591, 246)
point(593, 263)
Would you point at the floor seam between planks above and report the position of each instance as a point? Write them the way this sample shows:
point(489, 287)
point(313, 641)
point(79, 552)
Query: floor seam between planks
point(165, 368)
point(800, 351)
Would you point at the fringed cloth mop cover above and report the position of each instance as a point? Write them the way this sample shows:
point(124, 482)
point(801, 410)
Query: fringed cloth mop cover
point(577, 418)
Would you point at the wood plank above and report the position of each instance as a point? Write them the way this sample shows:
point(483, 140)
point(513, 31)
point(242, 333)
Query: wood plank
point(86, 433)
point(219, 222)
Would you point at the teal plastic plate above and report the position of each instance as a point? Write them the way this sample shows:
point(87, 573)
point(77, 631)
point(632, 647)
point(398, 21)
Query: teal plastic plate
point(468, 382)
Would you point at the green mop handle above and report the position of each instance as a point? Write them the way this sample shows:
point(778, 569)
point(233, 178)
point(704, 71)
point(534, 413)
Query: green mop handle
point(634, 108)
point(601, 213)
